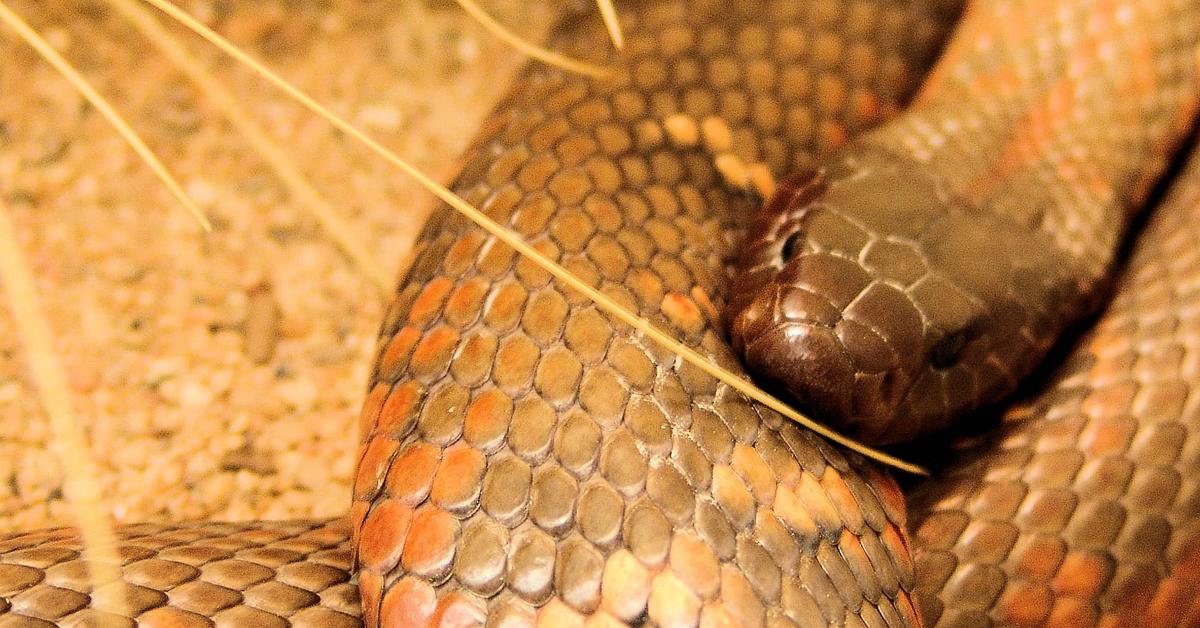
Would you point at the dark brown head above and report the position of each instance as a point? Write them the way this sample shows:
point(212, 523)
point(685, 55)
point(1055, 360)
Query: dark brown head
point(885, 309)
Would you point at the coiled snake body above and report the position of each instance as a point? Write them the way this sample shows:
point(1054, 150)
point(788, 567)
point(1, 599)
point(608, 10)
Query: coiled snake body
point(525, 459)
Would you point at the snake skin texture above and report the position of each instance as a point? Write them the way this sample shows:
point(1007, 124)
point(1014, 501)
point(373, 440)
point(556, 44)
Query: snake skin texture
point(526, 460)
point(186, 575)
point(1082, 507)
point(931, 264)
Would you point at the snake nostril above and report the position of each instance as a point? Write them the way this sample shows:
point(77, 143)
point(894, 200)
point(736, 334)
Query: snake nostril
point(947, 351)
point(791, 246)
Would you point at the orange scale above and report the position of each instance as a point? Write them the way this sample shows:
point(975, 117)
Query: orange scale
point(370, 591)
point(372, 464)
point(897, 546)
point(1083, 575)
point(398, 414)
point(1025, 604)
point(1070, 611)
point(382, 536)
point(843, 499)
point(371, 408)
point(411, 473)
point(394, 357)
point(695, 565)
point(793, 513)
point(432, 354)
point(1038, 558)
point(557, 614)
point(458, 479)
point(465, 302)
point(625, 585)
point(487, 419)
point(429, 302)
point(683, 313)
point(739, 597)
point(458, 610)
point(410, 602)
point(671, 602)
point(429, 547)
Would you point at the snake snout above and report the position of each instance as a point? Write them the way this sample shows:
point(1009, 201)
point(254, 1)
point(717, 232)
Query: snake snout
point(812, 319)
point(839, 302)
point(847, 351)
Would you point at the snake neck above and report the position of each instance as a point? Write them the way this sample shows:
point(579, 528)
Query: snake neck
point(951, 246)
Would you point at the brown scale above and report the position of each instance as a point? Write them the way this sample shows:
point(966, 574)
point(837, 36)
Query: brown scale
point(526, 459)
point(1081, 507)
point(543, 462)
point(190, 574)
point(924, 270)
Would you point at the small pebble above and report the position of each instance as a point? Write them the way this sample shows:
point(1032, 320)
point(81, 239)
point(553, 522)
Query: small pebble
point(167, 368)
point(262, 324)
point(248, 459)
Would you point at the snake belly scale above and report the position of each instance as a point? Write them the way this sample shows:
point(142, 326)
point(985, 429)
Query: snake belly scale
point(526, 460)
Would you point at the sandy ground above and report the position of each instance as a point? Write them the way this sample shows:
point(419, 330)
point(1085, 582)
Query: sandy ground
point(185, 420)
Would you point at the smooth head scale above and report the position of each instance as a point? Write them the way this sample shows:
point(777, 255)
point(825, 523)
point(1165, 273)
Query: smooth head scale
point(861, 293)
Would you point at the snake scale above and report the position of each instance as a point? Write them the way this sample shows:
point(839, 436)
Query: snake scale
point(527, 460)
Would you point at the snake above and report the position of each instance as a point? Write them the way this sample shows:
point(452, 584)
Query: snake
point(528, 460)
point(926, 269)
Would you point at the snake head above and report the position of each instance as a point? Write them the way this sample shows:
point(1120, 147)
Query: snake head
point(884, 308)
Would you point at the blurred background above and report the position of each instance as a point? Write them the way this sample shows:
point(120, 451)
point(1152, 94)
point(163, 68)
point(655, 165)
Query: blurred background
point(219, 375)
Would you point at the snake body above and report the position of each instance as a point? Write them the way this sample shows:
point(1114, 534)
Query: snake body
point(931, 264)
point(527, 460)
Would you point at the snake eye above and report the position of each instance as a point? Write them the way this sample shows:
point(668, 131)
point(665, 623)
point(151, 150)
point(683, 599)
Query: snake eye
point(791, 246)
point(946, 352)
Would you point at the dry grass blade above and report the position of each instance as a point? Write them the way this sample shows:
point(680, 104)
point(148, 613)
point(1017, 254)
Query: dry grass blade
point(47, 370)
point(513, 240)
point(533, 50)
point(297, 185)
point(47, 52)
point(609, 12)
